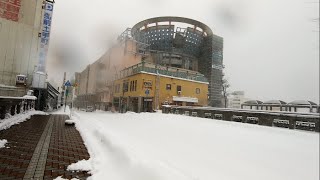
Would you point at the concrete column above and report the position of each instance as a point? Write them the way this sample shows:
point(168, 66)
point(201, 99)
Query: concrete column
point(280, 108)
point(295, 109)
point(250, 107)
point(18, 109)
point(139, 104)
point(270, 108)
point(13, 110)
point(128, 104)
point(2, 112)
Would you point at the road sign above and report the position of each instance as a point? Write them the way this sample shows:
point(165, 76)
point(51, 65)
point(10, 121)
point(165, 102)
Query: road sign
point(67, 83)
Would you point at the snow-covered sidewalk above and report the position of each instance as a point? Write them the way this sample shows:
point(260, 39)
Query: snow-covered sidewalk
point(171, 147)
point(18, 118)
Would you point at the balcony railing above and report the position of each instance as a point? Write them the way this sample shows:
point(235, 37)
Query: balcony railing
point(163, 70)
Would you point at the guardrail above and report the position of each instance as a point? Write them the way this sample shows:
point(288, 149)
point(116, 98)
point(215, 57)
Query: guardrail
point(290, 120)
point(15, 105)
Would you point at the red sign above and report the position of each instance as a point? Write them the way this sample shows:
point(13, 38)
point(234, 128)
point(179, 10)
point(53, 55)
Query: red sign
point(9, 9)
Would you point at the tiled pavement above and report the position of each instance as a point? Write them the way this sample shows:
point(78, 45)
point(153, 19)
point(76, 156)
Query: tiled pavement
point(57, 144)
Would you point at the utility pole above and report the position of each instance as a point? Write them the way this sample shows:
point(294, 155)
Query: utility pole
point(157, 89)
point(87, 86)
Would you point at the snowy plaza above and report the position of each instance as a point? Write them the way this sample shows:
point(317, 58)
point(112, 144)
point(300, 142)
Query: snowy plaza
point(165, 146)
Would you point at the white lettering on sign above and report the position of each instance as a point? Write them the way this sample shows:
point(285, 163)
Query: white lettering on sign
point(218, 116)
point(281, 121)
point(252, 118)
point(207, 115)
point(234, 117)
point(306, 124)
point(194, 113)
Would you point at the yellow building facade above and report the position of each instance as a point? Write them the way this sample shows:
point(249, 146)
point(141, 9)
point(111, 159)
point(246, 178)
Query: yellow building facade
point(144, 92)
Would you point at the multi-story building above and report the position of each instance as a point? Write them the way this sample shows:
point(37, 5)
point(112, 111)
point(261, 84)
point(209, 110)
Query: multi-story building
point(164, 60)
point(146, 86)
point(236, 99)
point(24, 38)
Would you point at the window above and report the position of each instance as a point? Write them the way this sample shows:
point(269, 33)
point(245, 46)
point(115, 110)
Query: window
point(135, 85)
point(197, 90)
point(168, 86)
point(117, 88)
point(125, 86)
point(178, 90)
point(131, 84)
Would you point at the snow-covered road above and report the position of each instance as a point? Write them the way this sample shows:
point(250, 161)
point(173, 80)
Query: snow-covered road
point(154, 146)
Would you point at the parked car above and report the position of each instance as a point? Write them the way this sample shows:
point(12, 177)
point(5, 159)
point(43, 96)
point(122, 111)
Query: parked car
point(89, 109)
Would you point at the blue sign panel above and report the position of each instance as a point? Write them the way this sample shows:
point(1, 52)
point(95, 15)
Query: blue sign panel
point(67, 83)
point(45, 35)
point(147, 92)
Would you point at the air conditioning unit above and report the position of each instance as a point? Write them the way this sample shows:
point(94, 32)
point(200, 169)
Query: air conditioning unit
point(179, 92)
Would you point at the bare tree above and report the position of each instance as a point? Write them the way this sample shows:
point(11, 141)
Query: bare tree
point(225, 93)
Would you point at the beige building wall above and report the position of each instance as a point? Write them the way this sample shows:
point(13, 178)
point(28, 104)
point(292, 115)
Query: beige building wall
point(107, 68)
point(19, 42)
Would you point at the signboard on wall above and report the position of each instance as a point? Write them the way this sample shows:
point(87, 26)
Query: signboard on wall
point(9, 9)
point(147, 84)
point(21, 79)
point(45, 35)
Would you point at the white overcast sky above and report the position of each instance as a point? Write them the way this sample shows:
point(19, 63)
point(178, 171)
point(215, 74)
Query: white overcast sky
point(271, 47)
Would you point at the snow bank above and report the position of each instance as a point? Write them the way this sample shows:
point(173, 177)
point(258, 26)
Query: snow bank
point(18, 118)
point(3, 142)
point(112, 159)
point(152, 146)
point(83, 165)
point(29, 97)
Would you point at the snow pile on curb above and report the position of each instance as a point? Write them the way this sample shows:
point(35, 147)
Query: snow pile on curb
point(3, 142)
point(18, 118)
point(83, 165)
point(70, 122)
point(60, 178)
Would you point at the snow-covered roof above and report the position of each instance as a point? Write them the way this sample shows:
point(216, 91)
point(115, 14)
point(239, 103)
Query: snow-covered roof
point(302, 102)
point(23, 97)
point(29, 97)
point(185, 99)
point(275, 102)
